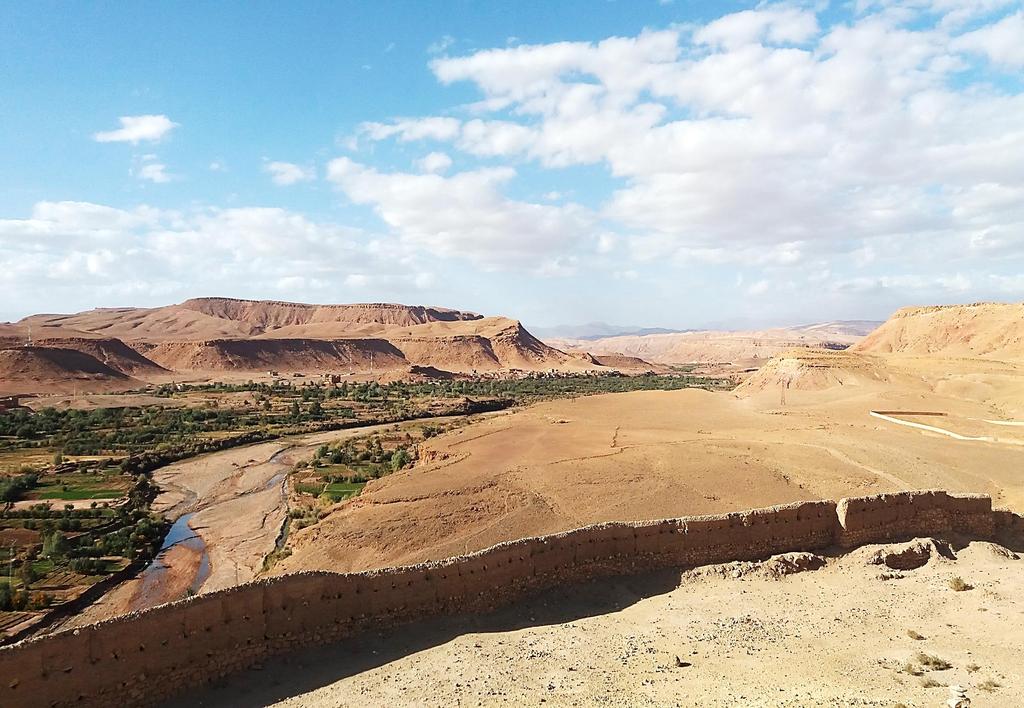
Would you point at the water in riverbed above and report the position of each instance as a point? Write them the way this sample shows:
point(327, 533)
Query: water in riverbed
point(155, 577)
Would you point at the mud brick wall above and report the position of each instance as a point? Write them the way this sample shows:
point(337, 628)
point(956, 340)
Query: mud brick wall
point(887, 517)
point(141, 658)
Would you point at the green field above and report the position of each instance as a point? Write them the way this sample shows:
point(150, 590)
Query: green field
point(338, 491)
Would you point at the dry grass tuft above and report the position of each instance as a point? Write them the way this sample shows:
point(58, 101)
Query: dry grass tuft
point(914, 635)
point(989, 685)
point(931, 683)
point(958, 584)
point(910, 668)
point(933, 663)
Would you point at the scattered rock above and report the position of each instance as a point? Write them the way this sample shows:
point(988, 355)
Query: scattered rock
point(890, 575)
point(1001, 551)
point(791, 563)
point(908, 556)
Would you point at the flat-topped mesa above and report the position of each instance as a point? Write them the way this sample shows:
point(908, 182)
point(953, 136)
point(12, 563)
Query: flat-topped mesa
point(272, 314)
point(217, 317)
point(144, 657)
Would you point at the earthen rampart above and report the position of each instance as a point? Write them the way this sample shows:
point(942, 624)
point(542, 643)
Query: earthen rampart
point(144, 657)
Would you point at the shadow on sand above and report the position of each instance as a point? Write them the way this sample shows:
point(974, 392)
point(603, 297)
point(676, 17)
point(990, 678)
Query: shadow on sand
point(308, 669)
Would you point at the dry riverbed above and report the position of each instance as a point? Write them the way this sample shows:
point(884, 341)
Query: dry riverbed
point(237, 504)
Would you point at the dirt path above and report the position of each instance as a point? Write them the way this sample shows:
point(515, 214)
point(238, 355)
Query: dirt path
point(930, 428)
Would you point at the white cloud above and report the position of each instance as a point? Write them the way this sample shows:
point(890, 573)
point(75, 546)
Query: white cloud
point(776, 25)
point(1002, 42)
point(287, 173)
point(150, 169)
point(87, 254)
point(759, 288)
point(464, 215)
point(136, 129)
point(764, 139)
point(218, 166)
point(442, 45)
point(434, 128)
point(434, 162)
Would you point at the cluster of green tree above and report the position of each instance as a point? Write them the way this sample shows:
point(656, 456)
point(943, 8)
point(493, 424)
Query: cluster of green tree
point(373, 453)
point(21, 599)
point(577, 385)
point(46, 511)
point(12, 488)
point(136, 533)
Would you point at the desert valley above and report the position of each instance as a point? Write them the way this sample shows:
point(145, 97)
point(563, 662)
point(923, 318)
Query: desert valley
point(484, 353)
point(286, 438)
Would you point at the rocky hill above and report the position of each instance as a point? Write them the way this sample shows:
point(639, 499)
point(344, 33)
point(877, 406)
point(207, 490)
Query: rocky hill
point(988, 330)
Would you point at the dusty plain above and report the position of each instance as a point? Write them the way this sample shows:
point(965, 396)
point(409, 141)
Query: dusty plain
point(650, 455)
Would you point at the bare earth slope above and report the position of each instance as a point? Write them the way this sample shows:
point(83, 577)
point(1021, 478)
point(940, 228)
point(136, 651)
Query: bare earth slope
point(987, 330)
point(648, 455)
point(54, 370)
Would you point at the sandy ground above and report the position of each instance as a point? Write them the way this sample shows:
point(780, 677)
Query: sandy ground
point(658, 454)
point(839, 636)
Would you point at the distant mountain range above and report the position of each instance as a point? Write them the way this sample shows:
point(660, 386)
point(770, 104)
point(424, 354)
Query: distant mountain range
point(599, 330)
point(742, 347)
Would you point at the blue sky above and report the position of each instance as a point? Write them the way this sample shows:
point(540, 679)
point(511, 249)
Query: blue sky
point(647, 163)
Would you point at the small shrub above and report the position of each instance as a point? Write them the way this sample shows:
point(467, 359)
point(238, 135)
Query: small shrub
point(971, 668)
point(988, 685)
point(958, 584)
point(909, 668)
point(932, 663)
point(914, 635)
point(930, 683)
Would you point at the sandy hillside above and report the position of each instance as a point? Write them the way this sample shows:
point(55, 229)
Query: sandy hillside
point(988, 330)
point(658, 454)
point(55, 370)
point(736, 635)
point(742, 348)
point(818, 369)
